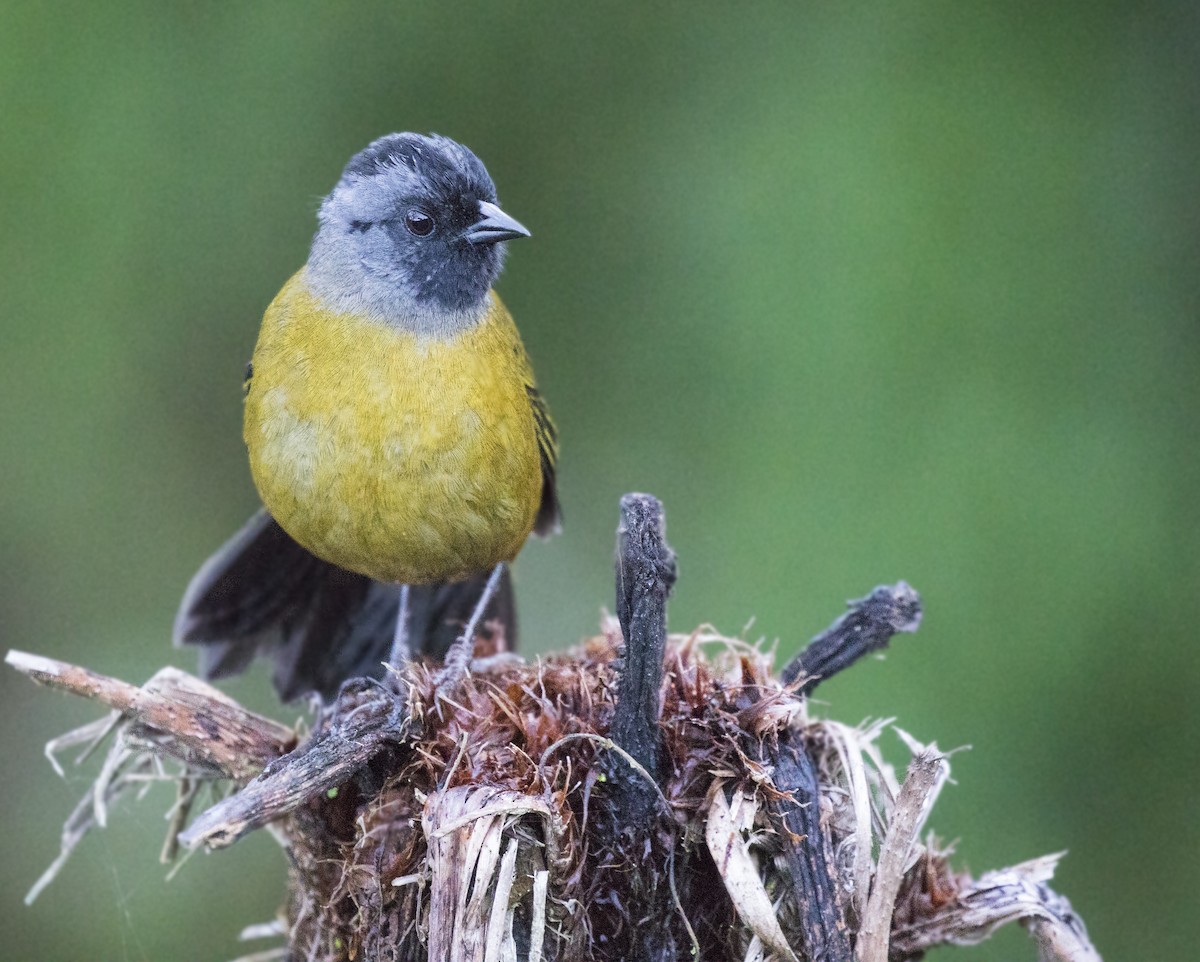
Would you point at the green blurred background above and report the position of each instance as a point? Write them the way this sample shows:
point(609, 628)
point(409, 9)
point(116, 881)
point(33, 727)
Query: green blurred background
point(862, 292)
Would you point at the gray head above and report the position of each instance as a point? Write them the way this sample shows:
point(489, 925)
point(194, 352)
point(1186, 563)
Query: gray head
point(411, 235)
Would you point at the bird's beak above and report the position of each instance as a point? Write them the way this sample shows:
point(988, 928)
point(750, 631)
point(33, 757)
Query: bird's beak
point(493, 225)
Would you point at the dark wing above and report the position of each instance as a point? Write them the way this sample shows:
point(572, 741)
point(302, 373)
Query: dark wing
point(549, 516)
point(262, 593)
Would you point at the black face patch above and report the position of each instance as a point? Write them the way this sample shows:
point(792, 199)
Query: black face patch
point(443, 269)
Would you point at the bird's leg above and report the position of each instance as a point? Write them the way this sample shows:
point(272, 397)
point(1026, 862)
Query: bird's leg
point(400, 651)
point(459, 655)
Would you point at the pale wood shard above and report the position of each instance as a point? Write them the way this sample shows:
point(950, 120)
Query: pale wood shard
point(927, 773)
point(188, 718)
point(726, 829)
point(843, 743)
point(1017, 894)
point(484, 873)
point(173, 715)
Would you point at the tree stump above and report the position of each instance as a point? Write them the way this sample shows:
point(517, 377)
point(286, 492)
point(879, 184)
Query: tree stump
point(646, 796)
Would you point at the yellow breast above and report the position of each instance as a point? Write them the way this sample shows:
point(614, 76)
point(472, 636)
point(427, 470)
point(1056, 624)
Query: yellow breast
point(409, 458)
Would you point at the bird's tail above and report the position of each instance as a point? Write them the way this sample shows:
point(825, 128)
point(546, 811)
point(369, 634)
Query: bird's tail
point(262, 593)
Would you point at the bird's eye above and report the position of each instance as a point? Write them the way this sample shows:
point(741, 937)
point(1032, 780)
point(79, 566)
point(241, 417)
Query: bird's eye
point(418, 222)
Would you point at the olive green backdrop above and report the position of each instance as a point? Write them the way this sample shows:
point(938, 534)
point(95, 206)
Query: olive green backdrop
point(863, 292)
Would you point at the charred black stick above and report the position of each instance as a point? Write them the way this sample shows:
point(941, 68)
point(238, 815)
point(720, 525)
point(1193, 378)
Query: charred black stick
point(866, 627)
point(645, 574)
point(629, 821)
point(807, 850)
point(645, 570)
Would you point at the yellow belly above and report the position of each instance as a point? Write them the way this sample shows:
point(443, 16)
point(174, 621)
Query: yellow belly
point(408, 458)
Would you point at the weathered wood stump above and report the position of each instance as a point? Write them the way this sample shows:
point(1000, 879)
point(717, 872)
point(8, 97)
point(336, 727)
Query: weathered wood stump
point(647, 797)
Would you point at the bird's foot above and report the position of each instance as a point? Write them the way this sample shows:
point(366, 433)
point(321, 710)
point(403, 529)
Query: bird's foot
point(458, 657)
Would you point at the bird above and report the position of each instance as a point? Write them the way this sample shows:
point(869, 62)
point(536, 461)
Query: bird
point(395, 434)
